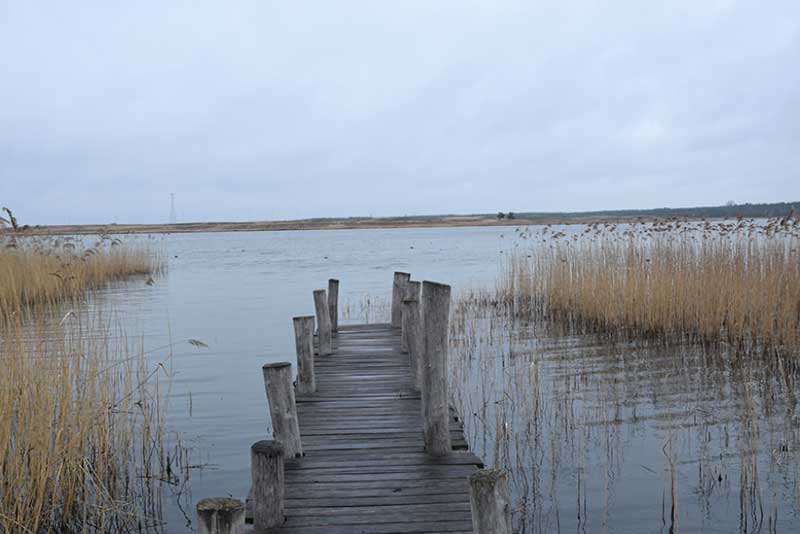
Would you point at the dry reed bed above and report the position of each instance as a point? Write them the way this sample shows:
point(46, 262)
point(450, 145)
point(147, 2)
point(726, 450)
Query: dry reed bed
point(676, 305)
point(737, 283)
point(35, 271)
point(83, 446)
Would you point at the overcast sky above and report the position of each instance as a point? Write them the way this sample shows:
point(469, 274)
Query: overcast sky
point(262, 110)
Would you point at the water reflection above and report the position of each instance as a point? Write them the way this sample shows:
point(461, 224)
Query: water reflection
point(626, 437)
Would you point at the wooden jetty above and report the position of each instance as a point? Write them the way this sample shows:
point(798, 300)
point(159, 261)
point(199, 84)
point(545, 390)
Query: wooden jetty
point(362, 443)
point(365, 467)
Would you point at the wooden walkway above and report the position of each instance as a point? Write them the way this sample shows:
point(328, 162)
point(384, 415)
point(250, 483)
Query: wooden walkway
point(365, 469)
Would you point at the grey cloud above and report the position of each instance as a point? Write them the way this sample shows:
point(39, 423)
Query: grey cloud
point(300, 109)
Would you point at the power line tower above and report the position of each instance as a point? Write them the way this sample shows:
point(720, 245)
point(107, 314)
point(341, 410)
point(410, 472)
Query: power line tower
point(173, 218)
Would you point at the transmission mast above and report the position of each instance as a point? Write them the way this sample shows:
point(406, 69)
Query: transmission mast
point(172, 217)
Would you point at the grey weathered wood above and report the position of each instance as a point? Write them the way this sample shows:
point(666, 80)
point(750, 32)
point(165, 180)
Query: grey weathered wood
point(489, 502)
point(268, 478)
point(365, 469)
point(323, 322)
point(220, 515)
point(282, 408)
point(304, 345)
point(398, 290)
point(412, 319)
point(333, 303)
point(411, 293)
point(435, 403)
point(417, 340)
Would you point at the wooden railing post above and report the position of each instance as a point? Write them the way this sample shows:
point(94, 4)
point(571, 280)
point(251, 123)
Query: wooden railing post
point(435, 403)
point(323, 322)
point(412, 330)
point(398, 290)
point(282, 409)
point(333, 303)
point(304, 345)
point(220, 515)
point(266, 468)
point(411, 293)
point(488, 495)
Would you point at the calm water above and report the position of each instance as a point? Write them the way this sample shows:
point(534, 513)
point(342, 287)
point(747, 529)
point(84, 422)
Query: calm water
point(237, 292)
point(598, 438)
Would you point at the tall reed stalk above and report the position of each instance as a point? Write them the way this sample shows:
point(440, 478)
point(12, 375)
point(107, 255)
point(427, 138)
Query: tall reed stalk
point(81, 429)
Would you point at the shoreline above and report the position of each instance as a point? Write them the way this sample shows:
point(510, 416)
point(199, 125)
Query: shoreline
point(366, 223)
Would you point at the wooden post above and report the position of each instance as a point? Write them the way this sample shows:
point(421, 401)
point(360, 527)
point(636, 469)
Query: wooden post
point(304, 344)
point(220, 515)
point(282, 409)
point(413, 308)
point(435, 413)
point(333, 303)
point(266, 468)
point(398, 290)
point(411, 293)
point(323, 322)
point(488, 496)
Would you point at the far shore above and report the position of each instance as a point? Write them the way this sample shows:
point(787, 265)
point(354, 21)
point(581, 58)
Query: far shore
point(336, 224)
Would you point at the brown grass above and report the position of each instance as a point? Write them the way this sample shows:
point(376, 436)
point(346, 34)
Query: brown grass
point(595, 337)
point(82, 437)
point(37, 271)
point(737, 283)
point(83, 447)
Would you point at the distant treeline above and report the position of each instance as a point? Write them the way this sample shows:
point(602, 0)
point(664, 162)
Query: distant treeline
point(730, 210)
point(776, 209)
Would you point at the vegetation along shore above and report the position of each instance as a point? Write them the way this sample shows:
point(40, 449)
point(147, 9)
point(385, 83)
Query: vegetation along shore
point(780, 209)
point(83, 447)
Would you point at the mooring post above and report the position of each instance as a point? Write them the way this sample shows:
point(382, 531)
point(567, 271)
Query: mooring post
point(323, 322)
point(333, 303)
point(220, 515)
point(435, 413)
point(304, 345)
point(282, 409)
point(411, 293)
point(412, 312)
point(398, 290)
point(488, 496)
point(266, 468)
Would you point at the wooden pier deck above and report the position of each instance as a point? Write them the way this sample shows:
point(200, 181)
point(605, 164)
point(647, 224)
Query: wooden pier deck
point(365, 468)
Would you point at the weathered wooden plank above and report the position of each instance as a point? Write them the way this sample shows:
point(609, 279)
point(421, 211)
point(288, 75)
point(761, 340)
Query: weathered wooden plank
point(375, 489)
point(420, 473)
point(362, 445)
point(396, 462)
point(321, 437)
point(410, 444)
point(375, 519)
point(363, 327)
point(365, 467)
point(344, 457)
point(374, 516)
point(386, 511)
point(425, 527)
point(394, 500)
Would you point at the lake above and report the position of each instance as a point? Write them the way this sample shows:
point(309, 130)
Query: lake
point(600, 437)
